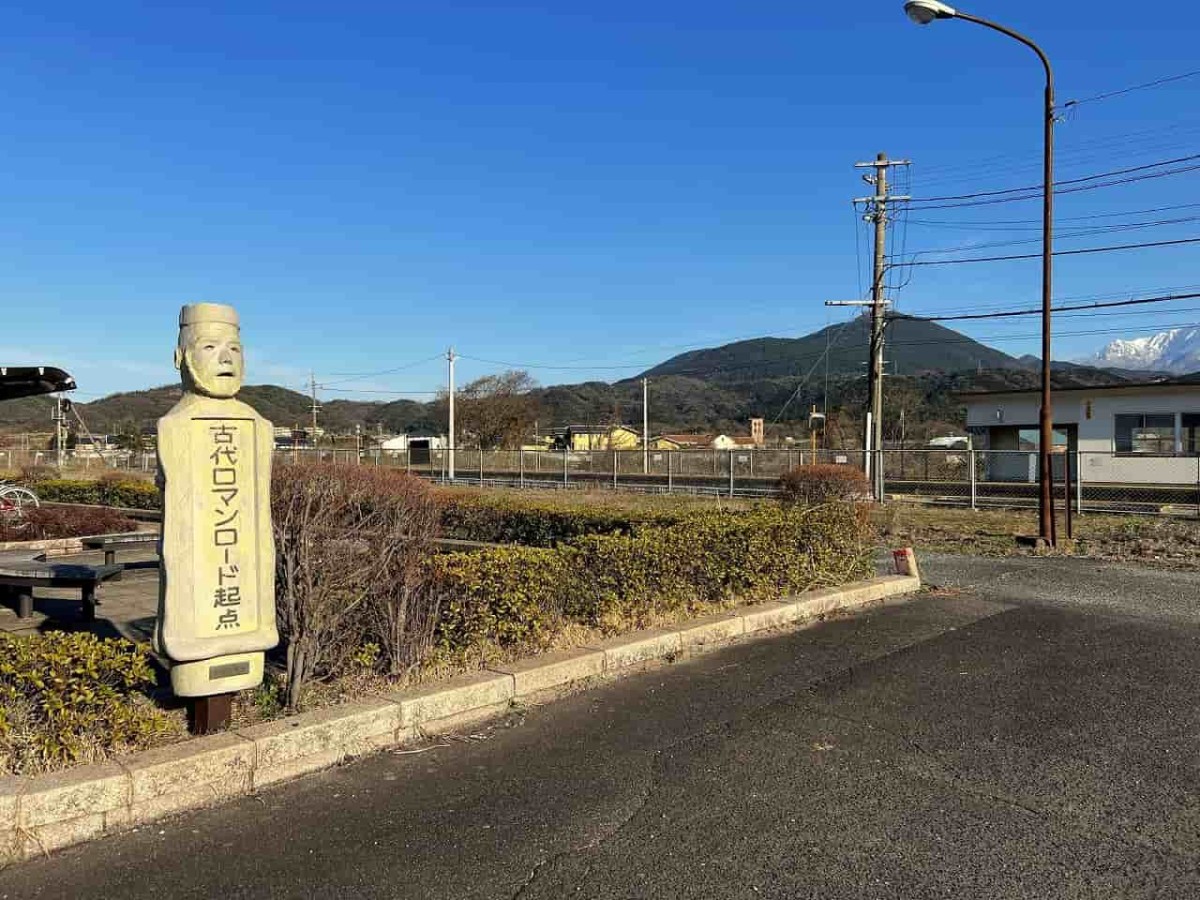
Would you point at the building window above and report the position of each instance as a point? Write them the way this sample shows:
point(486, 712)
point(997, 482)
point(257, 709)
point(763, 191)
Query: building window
point(1030, 438)
point(1191, 433)
point(1148, 434)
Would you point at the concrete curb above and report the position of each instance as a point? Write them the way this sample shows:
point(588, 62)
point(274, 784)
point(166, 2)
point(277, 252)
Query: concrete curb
point(39, 814)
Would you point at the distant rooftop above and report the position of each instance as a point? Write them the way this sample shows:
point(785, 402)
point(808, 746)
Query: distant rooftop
point(1185, 381)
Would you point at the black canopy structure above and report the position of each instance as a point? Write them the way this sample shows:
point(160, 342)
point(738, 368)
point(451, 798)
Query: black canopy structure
point(30, 381)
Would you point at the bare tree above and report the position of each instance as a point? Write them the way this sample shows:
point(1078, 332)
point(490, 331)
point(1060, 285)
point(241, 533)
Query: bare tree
point(496, 410)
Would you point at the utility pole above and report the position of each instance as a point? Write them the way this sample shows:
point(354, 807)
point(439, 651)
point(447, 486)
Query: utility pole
point(60, 430)
point(877, 213)
point(450, 357)
point(645, 427)
point(312, 387)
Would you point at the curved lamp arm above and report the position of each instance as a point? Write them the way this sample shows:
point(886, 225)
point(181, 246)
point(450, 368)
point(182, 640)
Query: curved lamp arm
point(1017, 36)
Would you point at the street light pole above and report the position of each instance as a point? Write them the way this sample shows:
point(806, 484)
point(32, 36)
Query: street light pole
point(923, 12)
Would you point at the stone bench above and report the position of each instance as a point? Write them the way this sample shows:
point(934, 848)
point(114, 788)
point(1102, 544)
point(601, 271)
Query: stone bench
point(19, 578)
point(111, 543)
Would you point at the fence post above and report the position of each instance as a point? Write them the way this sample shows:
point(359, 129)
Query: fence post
point(565, 452)
point(522, 463)
point(1078, 483)
point(731, 463)
point(882, 479)
point(671, 474)
point(614, 453)
point(481, 465)
point(971, 464)
point(1067, 492)
point(408, 462)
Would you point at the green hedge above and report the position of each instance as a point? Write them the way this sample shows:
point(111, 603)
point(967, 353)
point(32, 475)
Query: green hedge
point(129, 494)
point(543, 521)
point(617, 581)
point(74, 698)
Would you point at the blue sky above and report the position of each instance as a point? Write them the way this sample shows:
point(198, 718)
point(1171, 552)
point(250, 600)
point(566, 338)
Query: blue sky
point(586, 191)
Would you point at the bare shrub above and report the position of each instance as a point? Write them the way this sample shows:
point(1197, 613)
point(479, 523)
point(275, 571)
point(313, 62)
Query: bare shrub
point(812, 485)
point(351, 546)
point(48, 522)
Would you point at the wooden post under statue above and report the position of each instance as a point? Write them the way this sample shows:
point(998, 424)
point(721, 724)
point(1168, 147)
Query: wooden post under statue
point(207, 715)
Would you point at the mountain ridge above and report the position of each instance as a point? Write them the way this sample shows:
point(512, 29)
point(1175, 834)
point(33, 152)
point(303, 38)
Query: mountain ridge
point(711, 389)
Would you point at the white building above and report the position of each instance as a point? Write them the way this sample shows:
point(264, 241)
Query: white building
point(1128, 434)
point(402, 443)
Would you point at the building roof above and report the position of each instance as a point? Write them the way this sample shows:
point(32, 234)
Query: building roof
point(687, 438)
point(1187, 381)
point(590, 429)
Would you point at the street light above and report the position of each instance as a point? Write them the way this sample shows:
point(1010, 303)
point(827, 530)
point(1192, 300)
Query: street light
point(923, 12)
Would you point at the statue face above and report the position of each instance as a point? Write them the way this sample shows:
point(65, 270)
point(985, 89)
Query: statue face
point(211, 360)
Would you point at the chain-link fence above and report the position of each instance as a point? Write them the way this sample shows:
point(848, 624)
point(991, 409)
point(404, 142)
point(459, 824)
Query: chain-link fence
point(16, 459)
point(1094, 481)
point(740, 472)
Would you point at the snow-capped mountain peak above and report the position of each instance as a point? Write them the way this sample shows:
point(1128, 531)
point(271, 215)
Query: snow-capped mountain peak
point(1176, 350)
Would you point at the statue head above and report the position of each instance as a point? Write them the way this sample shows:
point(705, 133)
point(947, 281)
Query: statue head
point(209, 353)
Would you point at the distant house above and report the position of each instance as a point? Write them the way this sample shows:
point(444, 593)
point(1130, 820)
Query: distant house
point(1126, 433)
point(682, 442)
point(950, 442)
point(418, 447)
point(542, 442)
point(733, 442)
point(595, 437)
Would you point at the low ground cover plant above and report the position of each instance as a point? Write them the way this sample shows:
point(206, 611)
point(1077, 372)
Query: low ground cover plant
point(74, 697)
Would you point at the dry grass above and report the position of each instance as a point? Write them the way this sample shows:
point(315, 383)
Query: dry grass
point(1148, 540)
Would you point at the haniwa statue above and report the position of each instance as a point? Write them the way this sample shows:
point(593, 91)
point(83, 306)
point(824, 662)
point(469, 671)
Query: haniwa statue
point(216, 607)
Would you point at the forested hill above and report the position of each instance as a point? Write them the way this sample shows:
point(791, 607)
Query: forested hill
point(913, 346)
point(712, 390)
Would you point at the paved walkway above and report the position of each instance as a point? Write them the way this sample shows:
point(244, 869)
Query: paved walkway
point(127, 607)
point(1005, 742)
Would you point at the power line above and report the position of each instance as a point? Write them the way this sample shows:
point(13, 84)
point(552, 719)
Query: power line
point(1158, 82)
point(829, 345)
point(1093, 148)
point(368, 391)
point(1038, 188)
point(359, 377)
point(1077, 252)
point(1062, 298)
point(1030, 224)
point(1037, 311)
point(1065, 235)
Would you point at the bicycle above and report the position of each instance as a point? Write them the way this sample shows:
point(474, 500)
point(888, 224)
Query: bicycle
point(15, 499)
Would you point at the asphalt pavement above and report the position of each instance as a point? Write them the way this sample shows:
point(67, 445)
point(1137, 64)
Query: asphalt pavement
point(1030, 729)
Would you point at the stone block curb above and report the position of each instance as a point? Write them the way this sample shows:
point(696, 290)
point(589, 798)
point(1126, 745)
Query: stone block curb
point(42, 813)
